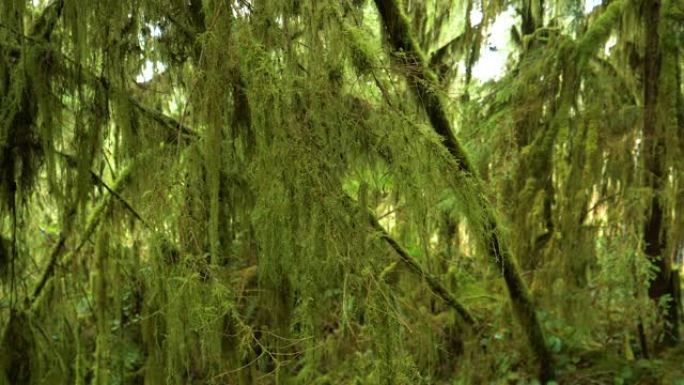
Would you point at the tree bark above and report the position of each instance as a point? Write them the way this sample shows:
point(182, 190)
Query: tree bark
point(654, 148)
point(419, 77)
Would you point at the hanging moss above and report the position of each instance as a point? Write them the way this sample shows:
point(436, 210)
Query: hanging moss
point(278, 202)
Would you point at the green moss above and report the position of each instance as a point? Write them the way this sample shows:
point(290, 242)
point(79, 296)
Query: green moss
point(600, 30)
point(196, 227)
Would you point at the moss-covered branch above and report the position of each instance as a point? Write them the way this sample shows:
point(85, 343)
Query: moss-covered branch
point(435, 285)
point(45, 24)
point(420, 79)
point(91, 224)
point(600, 30)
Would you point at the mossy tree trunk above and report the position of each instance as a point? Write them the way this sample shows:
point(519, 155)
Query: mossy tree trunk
point(534, 141)
point(655, 231)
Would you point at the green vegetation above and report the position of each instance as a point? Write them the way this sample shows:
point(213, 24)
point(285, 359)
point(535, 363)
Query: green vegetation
point(331, 192)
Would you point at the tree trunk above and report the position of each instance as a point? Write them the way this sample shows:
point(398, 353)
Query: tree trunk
point(654, 151)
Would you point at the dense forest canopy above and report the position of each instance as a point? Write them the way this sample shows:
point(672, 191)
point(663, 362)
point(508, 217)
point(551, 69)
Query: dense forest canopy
point(341, 192)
